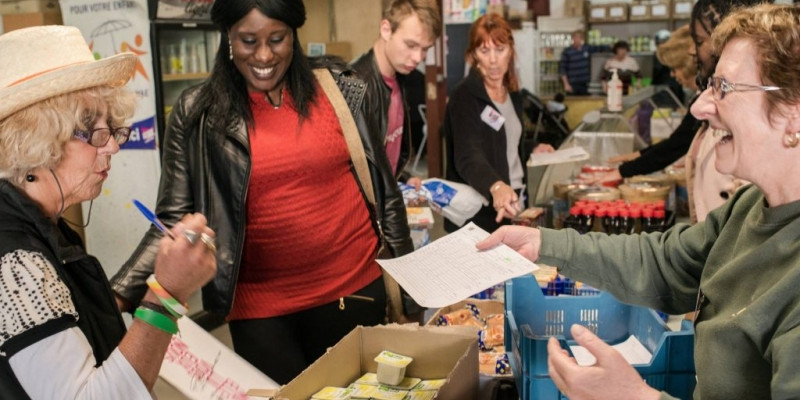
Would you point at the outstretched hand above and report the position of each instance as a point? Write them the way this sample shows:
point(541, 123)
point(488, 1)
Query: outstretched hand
point(523, 240)
point(611, 377)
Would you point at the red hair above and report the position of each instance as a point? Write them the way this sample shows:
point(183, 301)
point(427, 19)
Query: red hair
point(493, 27)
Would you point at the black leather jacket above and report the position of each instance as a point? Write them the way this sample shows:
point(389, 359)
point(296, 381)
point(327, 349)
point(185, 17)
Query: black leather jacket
point(209, 172)
point(377, 100)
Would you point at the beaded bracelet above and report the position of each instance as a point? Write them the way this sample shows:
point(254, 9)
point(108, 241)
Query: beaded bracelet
point(173, 306)
point(155, 307)
point(157, 320)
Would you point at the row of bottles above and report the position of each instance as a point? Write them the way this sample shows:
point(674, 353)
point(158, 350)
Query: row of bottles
point(184, 58)
point(617, 217)
point(638, 43)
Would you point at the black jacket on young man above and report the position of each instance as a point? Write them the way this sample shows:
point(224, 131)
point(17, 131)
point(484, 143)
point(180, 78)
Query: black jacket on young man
point(376, 104)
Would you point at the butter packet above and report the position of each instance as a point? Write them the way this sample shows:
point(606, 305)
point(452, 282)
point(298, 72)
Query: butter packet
point(362, 391)
point(370, 378)
point(387, 393)
point(391, 367)
point(332, 393)
point(430, 384)
point(420, 395)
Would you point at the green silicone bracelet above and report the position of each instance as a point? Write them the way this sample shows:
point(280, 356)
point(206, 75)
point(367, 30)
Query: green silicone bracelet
point(157, 320)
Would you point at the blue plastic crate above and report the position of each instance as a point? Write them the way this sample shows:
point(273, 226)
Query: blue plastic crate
point(531, 318)
point(565, 286)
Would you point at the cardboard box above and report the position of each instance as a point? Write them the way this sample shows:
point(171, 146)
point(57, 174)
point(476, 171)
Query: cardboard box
point(449, 352)
point(661, 9)
point(682, 9)
point(574, 8)
point(28, 6)
point(640, 12)
point(598, 13)
point(341, 49)
point(617, 12)
point(17, 21)
point(501, 9)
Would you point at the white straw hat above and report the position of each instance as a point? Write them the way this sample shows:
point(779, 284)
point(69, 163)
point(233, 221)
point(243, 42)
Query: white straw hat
point(41, 62)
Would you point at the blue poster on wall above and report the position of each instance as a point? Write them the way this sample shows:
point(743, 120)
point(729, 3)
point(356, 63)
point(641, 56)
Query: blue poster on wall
point(143, 135)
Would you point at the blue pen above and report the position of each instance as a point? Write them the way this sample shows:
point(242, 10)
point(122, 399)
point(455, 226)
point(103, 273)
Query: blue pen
point(152, 218)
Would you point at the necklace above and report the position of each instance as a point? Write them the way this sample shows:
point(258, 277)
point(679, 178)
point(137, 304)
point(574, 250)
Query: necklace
point(280, 99)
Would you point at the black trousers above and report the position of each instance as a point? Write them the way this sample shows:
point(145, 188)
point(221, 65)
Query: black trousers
point(282, 347)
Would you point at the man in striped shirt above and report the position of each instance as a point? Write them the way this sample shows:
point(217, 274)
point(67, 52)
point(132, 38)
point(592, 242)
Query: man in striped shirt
point(575, 63)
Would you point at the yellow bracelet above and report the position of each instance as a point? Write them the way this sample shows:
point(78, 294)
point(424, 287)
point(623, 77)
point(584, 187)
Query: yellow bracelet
point(495, 187)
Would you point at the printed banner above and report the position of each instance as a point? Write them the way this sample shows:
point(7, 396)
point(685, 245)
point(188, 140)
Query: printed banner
point(111, 27)
point(116, 26)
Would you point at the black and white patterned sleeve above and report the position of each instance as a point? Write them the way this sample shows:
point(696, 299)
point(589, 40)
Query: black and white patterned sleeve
point(34, 301)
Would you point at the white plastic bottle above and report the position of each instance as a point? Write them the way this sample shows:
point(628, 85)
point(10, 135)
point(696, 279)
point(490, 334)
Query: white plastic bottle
point(614, 99)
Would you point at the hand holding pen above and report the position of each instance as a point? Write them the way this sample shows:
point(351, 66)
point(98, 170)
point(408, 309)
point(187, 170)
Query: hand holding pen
point(190, 235)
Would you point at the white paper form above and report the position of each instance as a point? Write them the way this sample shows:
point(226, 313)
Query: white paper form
point(632, 349)
point(571, 154)
point(452, 269)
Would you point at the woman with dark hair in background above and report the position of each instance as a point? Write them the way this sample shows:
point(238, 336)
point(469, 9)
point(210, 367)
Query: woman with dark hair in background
point(706, 15)
point(485, 146)
point(625, 65)
point(259, 149)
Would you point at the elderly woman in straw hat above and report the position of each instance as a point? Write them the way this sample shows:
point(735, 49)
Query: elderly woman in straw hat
point(739, 270)
point(61, 335)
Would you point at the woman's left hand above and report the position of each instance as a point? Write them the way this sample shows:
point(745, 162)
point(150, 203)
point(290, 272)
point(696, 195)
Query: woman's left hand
point(611, 377)
point(543, 148)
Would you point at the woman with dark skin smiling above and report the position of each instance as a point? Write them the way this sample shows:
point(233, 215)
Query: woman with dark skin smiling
point(259, 148)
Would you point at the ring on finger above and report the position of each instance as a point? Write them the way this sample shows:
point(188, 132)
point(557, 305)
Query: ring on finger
point(191, 236)
point(208, 241)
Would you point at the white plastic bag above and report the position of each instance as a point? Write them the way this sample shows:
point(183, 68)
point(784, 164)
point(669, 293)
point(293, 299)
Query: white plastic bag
point(457, 202)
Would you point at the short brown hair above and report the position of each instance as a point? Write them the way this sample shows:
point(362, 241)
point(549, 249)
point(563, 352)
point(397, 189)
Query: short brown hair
point(674, 53)
point(775, 33)
point(495, 28)
point(426, 10)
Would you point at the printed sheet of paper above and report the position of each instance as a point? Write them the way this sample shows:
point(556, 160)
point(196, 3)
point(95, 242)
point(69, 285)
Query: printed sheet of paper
point(451, 269)
point(632, 349)
point(203, 368)
point(570, 154)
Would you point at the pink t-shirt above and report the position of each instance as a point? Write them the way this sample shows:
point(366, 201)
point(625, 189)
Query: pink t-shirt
point(394, 126)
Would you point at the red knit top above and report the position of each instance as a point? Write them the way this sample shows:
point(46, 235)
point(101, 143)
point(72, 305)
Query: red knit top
point(309, 238)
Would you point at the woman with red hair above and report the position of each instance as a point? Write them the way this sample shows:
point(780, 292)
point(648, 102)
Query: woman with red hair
point(483, 125)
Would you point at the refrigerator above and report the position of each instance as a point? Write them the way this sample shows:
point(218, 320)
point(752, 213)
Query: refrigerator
point(554, 34)
point(184, 44)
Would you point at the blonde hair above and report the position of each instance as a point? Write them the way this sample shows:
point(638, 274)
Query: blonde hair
point(426, 10)
point(674, 53)
point(34, 137)
point(775, 33)
point(495, 28)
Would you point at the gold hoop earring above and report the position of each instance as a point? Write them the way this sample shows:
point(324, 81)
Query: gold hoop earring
point(791, 140)
point(230, 51)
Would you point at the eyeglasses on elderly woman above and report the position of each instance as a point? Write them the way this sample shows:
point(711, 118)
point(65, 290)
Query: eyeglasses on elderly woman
point(719, 86)
point(99, 137)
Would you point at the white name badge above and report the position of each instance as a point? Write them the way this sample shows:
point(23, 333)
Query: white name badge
point(492, 118)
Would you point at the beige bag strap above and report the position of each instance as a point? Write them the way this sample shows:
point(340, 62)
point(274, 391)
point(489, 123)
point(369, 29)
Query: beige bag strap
point(350, 130)
point(393, 295)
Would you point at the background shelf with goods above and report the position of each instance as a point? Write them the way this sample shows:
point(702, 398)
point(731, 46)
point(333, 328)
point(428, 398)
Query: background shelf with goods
point(554, 34)
point(184, 47)
point(638, 23)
